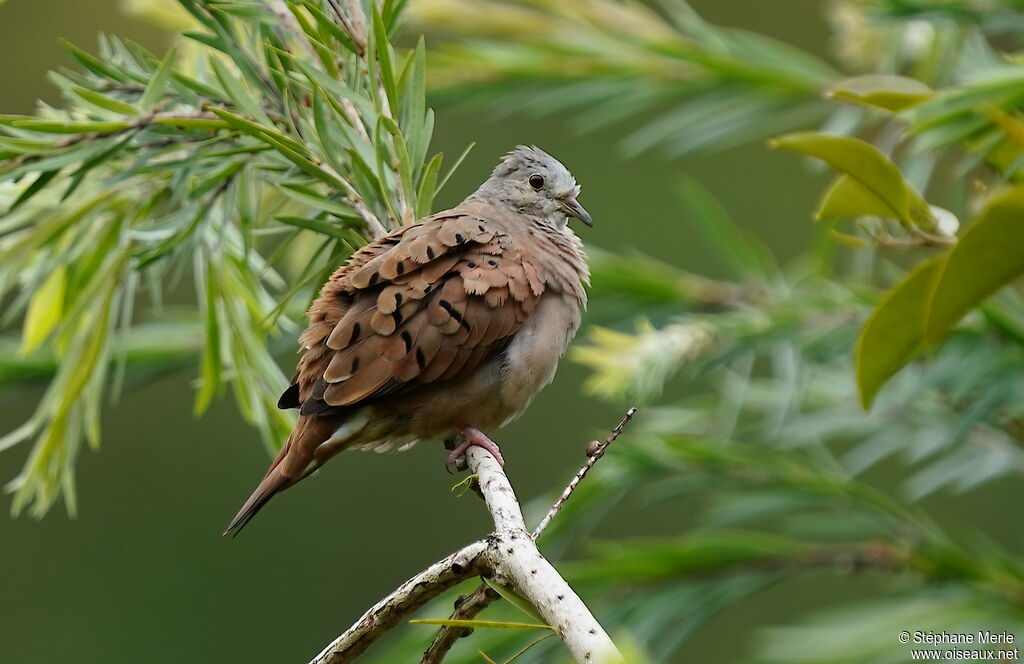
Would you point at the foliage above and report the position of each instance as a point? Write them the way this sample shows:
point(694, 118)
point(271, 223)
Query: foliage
point(280, 139)
point(767, 446)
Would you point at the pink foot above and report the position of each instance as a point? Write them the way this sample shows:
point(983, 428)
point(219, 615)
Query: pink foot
point(472, 436)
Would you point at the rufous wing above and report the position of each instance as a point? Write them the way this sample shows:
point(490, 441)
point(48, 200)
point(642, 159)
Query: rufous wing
point(430, 302)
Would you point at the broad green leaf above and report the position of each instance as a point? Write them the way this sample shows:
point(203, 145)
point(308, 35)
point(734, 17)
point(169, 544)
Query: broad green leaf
point(885, 91)
point(44, 310)
point(872, 169)
point(987, 257)
point(847, 197)
point(895, 330)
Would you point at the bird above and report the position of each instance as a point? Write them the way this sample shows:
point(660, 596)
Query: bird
point(448, 326)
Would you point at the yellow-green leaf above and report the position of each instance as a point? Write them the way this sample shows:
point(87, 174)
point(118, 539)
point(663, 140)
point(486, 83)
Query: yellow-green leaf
point(885, 91)
point(987, 257)
point(895, 330)
point(44, 310)
point(847, 197)
point(869, 167)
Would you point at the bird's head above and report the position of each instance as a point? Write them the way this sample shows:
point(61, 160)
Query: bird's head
point(536, 184)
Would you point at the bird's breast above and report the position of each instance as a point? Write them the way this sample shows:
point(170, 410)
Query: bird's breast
point(530, 361)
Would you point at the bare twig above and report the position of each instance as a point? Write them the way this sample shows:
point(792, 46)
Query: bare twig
point(400, 604)
point(593, 456)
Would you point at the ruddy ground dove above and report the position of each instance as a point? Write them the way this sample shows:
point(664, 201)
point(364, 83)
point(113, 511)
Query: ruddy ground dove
point(450, 325)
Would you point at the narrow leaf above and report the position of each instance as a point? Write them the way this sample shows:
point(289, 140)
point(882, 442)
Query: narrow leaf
point(885, 91)
point(44, 310)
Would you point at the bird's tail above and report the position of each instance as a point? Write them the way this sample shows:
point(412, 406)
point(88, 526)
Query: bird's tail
point(275, 480)
point(296, 460)
point(271, 484)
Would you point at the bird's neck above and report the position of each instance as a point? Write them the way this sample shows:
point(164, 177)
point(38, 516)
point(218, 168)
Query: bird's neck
point(550, 216)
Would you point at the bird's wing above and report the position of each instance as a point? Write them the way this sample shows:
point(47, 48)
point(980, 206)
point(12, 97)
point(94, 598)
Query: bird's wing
point(430, 302)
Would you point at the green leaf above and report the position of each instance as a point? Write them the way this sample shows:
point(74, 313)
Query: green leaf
point(514, 598)
point(866, 164)
point(210, 372)
point(885, 91)
point(428, 187)
point(94, 64)
point(191, 123)
point(720, 233)
point(313, 198)
point(315, 225)
point(895, 330)
point(332, 28)
point(385, 56)
point(44, 310)
point(68, 127)
point(238, 92)
point(847, 197)
point(157, 84)
point(482, 623)
point(986, 258)
point(103, 101)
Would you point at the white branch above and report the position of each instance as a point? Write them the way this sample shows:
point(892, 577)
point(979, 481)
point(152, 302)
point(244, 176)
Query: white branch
point(405, 600)
point(510, 557)
point(516, 562)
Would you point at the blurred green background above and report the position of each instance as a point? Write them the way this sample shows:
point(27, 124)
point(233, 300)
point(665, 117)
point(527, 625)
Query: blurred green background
point(143, 574)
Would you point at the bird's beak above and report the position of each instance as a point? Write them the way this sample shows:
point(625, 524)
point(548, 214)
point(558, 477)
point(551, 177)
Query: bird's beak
point(574, 209)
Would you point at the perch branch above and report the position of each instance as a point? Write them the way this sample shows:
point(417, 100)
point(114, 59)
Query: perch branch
point(473, 604)
point(510, 557)
point(516, 562)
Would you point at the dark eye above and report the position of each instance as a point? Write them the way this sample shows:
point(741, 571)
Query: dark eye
point(537, 181)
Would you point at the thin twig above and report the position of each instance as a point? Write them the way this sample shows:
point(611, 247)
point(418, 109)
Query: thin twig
point(467, 608)
point(593, 456)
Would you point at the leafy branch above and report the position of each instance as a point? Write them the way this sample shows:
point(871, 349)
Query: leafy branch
point(274, 139)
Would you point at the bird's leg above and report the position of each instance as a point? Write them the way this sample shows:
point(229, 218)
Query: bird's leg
point(473, 436)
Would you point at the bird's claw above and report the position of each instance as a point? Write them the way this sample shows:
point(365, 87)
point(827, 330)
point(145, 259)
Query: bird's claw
point(472, 436)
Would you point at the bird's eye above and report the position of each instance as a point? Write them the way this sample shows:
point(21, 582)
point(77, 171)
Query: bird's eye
point(537, 181)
